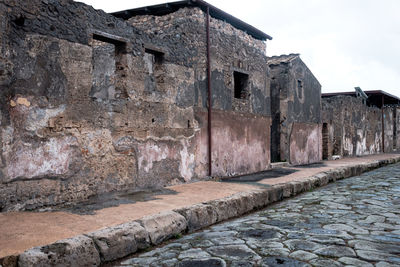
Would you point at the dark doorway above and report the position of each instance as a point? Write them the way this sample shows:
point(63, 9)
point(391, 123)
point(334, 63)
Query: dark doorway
point(325, 141)
point(276, 122)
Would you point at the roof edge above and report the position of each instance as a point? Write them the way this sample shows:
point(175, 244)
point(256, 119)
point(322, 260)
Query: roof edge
point(214, 12)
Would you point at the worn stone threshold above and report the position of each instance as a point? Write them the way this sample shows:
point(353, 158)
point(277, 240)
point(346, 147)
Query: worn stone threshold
point(119, 241)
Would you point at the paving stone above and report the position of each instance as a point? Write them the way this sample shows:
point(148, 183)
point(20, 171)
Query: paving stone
point(210, 262)
point(139, 261)
point(340, 227)
point(335, 251)
point(327, 240)
point(274, 252)
point(303, 255)
point(227, 241)
point(194, 253)
point(283, 262)
point(169, 263)
point(234, 252)
point(354, 262)
point(325, 263)
point(368, 245)
point(385, 264)
point(375, 255)
point(302, 245)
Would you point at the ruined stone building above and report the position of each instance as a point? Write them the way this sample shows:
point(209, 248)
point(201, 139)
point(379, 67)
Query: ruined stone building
point(295, 110)
point(360, 123)
point(94, 102)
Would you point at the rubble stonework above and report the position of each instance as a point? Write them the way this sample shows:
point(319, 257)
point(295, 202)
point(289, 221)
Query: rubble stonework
point(354, 129)
point(295, 105)
point(92, 103)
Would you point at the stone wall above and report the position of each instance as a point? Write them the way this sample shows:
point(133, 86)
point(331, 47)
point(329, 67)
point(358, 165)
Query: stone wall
point(91, 104)
point(397, 120)
point(354, 128)
point(295, 111)
point(231, 51)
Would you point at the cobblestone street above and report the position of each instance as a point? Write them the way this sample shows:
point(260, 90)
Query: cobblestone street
point(354, 222)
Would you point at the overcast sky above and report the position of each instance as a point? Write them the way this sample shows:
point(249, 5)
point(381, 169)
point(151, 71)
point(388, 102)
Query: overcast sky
point(345, 43)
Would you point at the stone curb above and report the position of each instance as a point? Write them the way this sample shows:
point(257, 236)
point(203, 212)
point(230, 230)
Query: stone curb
point(119, 241)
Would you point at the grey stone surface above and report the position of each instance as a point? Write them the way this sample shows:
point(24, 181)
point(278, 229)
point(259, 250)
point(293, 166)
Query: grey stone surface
point(354, 262)
point(119, 241)
point(163, 225)
point(313, 229)
point(77, 251)
point(199, 216)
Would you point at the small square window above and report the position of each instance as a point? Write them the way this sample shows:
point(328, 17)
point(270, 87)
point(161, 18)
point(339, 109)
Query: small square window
point(240, 81)
point(157, 56)
point(300, 88)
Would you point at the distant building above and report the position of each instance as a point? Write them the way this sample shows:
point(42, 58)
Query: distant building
point(295, 111)
point(360, 123)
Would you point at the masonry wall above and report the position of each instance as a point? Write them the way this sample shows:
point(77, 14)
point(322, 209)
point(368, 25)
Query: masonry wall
point(397, 120)
point(231, 50)
point(296, 131)
point(391, 128)
point(354, 128)
point(86, 109)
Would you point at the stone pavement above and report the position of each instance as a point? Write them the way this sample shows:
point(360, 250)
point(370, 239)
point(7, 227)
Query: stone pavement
point(354, 222)
point(196, 205)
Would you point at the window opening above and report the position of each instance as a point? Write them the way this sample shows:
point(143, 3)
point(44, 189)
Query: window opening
point(300, 88)
point(240, 81)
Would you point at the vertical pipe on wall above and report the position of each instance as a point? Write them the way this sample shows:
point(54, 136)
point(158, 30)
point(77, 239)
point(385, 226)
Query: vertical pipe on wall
point(209, 91)
point(383, 126)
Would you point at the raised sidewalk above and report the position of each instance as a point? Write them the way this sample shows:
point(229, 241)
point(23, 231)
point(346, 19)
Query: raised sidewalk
point(114, 232)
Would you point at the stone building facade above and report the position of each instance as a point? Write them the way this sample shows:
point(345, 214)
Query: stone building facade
point(352, 125)
point(92, 103)
point(295, 110)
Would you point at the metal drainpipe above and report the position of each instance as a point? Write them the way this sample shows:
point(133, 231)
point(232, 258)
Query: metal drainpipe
point(209, 92)
point(383, 126)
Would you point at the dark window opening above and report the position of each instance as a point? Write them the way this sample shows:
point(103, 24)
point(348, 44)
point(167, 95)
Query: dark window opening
point(240, 81)
point(157, 56)
point(20, 21)
point(300, 88)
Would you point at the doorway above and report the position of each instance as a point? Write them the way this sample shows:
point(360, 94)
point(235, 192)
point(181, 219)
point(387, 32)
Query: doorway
point(325, 141)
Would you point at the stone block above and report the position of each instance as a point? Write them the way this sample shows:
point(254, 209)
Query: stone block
point(298, 187)
point(225, 208)
point(76, 251)
point(121, 240)
point(260, 198)
point(288, 190)
point(198, 216)
point(275, 193)
point(163, 225)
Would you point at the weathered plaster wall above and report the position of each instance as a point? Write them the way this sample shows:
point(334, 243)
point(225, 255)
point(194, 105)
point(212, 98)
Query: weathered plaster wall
point(240, 143)
point(231, 50)
point(388, 119)
point(397, 128)
point(305, 143)
point(81, 117)
point(354, 128)
point(296, 102)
